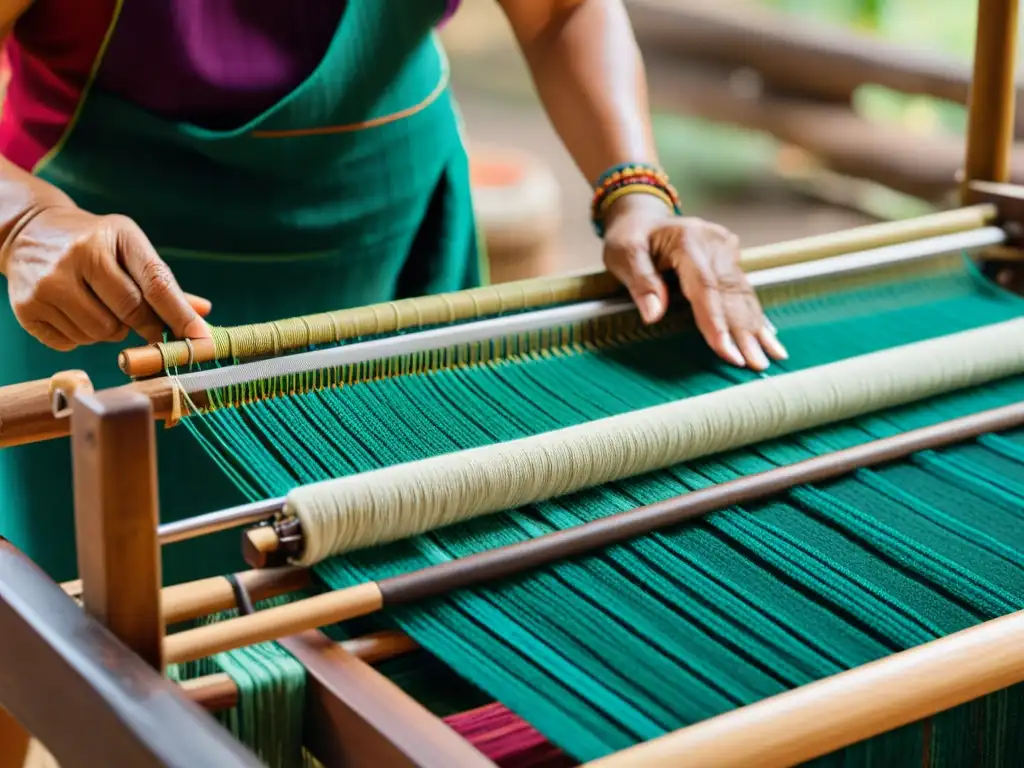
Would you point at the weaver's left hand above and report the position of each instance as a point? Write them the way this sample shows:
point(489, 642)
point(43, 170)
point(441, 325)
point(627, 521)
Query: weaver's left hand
point(644, 240)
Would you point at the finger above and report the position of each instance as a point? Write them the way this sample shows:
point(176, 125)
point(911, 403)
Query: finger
point(750, 346)
point(90, 314)
point(64, 325)
point(68, 305)
point(202, 306)
point(50, 336)
point(123, 297)
point(770, 342)
point(709, 314)
point(632, 266)
point(159, 288)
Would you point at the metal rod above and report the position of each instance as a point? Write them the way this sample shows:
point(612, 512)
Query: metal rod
point(222, 520)
point(467, 333)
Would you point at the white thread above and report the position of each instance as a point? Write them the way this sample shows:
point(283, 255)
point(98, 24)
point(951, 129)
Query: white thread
point(401, 501)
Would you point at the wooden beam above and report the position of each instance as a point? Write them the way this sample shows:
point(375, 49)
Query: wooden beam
point(70, 682)
point(116, 517)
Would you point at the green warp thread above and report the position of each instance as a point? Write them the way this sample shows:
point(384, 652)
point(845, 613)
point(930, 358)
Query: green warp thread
point(603, 651)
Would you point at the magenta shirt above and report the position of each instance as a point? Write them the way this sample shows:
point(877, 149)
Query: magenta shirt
point(220, 63)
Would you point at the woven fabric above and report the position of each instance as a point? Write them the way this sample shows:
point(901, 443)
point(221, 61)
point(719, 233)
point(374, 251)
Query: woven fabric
point(603, 651)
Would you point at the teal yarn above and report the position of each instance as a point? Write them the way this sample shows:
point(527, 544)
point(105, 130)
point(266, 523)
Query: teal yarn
point(268, 715)
point(604, 651)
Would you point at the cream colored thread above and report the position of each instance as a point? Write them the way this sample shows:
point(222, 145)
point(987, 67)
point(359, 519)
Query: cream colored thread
point(397, 502)
point(177, 397)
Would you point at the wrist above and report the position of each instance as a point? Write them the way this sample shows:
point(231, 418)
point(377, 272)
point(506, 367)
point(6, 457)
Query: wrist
point(12, 231)
point(636, 204)
point(632, 187)
point(22, 198)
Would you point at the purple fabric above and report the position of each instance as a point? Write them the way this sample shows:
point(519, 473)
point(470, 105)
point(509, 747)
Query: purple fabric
point(218, 63)
point(451, 6)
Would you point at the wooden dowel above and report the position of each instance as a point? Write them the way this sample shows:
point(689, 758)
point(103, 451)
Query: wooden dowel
point(27, 415)
point(139, 362)
point(214, 693)
point(818, 719)
point(148, 361)
point(182, 602)
point(505, 561)
point(218, 692)
point(26, 410)
point(990, 128)
point(274, 623)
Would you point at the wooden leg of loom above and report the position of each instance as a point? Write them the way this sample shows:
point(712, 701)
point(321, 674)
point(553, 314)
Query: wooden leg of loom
point(355, 716)
point(116, 517)
point(990, 128)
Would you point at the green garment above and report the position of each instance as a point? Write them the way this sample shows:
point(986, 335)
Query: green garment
point(266, 225)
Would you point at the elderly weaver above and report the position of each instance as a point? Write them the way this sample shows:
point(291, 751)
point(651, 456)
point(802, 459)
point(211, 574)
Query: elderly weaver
point(673, 628)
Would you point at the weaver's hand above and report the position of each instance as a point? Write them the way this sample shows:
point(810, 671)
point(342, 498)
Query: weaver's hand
point(643, 240)
point(76, 279)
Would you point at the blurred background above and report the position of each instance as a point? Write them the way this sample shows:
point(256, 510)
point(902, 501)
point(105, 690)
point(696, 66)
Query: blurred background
point(777, 118)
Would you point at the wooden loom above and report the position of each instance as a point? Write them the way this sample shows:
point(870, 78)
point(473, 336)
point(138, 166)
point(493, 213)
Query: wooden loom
point(85, 680)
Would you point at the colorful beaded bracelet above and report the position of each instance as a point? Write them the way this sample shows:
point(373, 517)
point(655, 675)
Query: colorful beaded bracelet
point(630, 179)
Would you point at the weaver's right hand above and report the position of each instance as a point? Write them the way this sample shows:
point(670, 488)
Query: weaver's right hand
point(75, 279)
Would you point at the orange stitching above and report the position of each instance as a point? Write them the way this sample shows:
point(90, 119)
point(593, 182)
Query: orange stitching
point(353, 127)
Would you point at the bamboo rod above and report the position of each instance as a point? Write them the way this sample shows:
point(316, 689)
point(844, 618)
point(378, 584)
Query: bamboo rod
point(371, 597)
point(990, 128)
point(150, 360)
point(820, 718)
point(218, 692)
point(27, 412)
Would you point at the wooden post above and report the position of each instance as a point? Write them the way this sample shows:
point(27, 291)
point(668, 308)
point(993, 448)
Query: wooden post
point(116, 517)
point(990, 128)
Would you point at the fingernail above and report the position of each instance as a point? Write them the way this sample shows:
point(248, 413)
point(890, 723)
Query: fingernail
point(732, 352)
point(650, 307)
point(757, 354)
point(775, 348)
point(770, 326)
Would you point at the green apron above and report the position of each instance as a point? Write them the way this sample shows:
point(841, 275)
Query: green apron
point(351, 190)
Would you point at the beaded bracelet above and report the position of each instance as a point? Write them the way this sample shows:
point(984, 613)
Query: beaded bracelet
point(630, 179)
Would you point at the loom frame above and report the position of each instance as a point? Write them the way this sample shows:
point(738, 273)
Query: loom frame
point(109, 660)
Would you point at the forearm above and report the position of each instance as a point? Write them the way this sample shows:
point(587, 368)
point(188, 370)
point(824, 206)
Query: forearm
point(588, 71)
point(22, 195)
